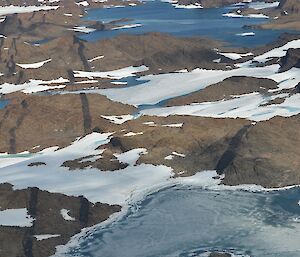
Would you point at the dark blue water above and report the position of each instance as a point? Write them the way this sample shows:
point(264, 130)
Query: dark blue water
point(163, 17)
point(3, 103)
point(185, 222)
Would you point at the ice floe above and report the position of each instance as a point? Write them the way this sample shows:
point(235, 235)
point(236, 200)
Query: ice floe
point(237, 15)
point(188, 6)
point(128, 26)
point(246, 34)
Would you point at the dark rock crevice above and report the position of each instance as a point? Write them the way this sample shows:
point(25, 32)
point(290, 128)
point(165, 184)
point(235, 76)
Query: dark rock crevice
point(81, 54)
point(87, 121)
point(84, 212)
point(231, 152)
point(12, 131)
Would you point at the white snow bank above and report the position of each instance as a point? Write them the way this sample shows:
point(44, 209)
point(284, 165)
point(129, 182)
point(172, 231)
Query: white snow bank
point(5, 10)
point(263, 5)
point(165, 86)
point(244, 106)
point(118, 119)
point(113, 187)
point(33, 65)
point(83, 29)
point(15, 218)
point(235, 56)
point(237, 15)
point(128, 26)
point(189, 6)
point(32, 86)
point(174, 125)
point(115, 74)
point(131, 157)
point(131, 134)
point(45, 236)
point(65, 214)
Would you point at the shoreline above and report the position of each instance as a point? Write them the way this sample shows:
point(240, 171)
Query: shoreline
point(138, 197)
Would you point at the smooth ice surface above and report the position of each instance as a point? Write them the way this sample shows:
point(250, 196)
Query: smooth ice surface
point(188, 221)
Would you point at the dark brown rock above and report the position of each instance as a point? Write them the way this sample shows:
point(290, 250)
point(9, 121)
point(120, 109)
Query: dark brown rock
point(45, 207)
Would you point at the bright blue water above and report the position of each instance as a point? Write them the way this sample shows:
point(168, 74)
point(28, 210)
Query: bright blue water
point(163, 17)
point(186, 222)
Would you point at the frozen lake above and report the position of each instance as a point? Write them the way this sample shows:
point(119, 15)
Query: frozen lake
point(188, 221)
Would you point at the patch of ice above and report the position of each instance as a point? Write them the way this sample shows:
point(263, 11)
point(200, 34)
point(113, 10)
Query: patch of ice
point(131, 157)
point(118, 119)
point(15, 218)
point(246, 34)
point(235, 56)
point(96, 58)
point(128, 26)
point(33, 65)
point(65, 214)
point(175, 125)
point(165, 86)
point(32, 86)
point(46, 236)
point(107, 187)
point(263, 5)
point(131, 134)
point(5, 10)
point(115, 74)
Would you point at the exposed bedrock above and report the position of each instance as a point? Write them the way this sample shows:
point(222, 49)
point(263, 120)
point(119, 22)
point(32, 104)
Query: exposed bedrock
point(290, 60)
point(268, 155)
point(34, 120)
point(55, 215)
point(265, 153)
point(290, 6)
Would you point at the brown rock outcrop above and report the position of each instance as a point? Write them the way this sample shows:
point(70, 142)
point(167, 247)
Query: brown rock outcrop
point(46, 208)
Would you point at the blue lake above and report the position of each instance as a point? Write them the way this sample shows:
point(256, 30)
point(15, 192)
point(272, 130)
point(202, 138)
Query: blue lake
point(188, 221)
point(163, 17)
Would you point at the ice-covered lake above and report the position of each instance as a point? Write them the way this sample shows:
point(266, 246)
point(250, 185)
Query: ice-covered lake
point(188, 221)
